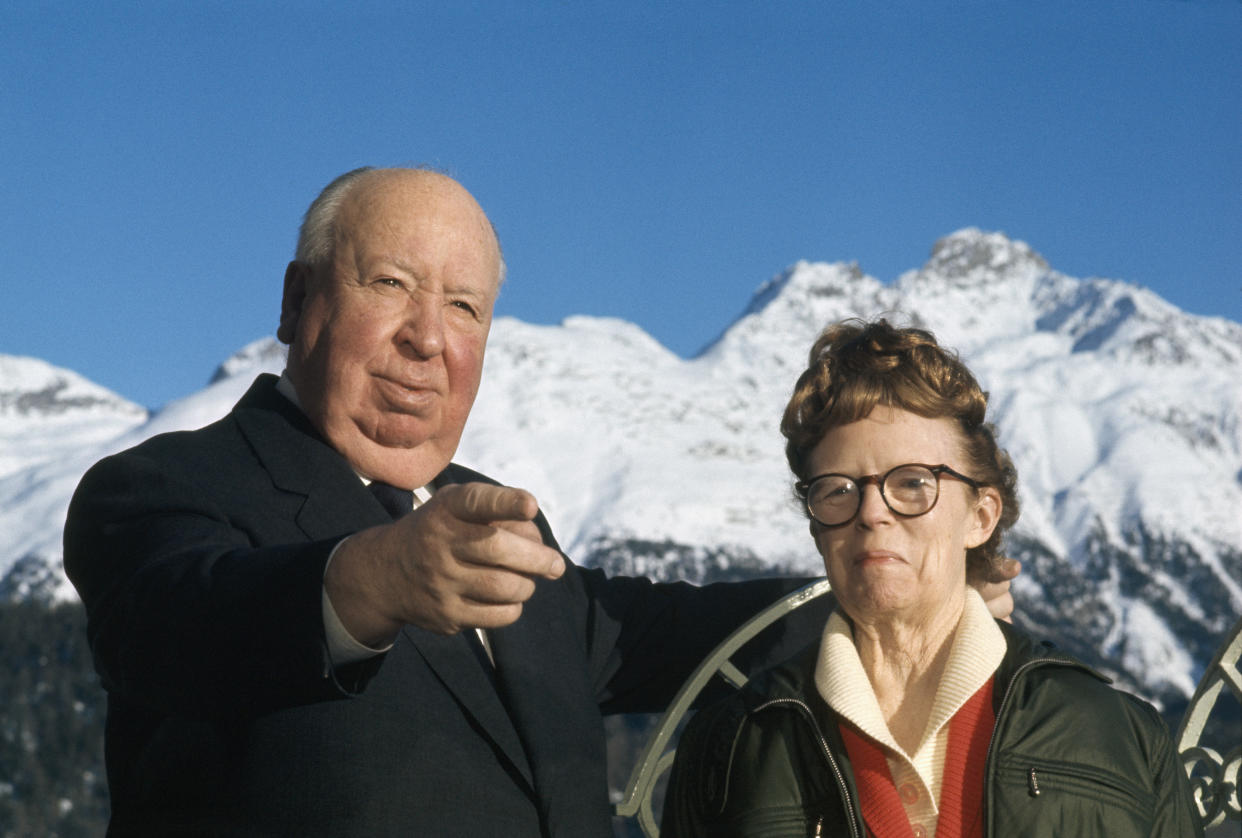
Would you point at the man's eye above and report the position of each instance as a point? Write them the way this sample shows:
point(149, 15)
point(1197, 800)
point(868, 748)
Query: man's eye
point(389, 281)
point(465, 306)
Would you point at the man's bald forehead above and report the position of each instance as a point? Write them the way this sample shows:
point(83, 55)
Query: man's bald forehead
point(373, 180)
point(373, 192)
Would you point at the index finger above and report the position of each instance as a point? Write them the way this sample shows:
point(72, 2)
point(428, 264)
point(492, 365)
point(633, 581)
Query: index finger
point(483, 503)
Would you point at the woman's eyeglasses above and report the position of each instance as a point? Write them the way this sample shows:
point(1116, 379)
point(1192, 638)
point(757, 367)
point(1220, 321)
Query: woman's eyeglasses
point(910, 490)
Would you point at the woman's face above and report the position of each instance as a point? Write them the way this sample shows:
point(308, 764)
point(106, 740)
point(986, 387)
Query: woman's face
point(885, 567)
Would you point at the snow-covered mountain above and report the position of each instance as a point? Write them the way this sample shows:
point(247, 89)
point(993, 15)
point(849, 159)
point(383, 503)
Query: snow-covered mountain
point(1123, 414)
point(54, 425)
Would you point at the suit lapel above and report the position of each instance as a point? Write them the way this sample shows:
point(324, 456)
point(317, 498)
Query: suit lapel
point(550, 699)
point(461, 673)
point(551, 702)
point(333, 501)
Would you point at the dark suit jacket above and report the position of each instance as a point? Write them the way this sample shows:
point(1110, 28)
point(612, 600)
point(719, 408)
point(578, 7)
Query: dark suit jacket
point(200, 558)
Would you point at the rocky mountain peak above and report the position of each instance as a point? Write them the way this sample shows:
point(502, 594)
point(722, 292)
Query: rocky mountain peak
point(256, 356)
point(974, 253)
point(31, 389)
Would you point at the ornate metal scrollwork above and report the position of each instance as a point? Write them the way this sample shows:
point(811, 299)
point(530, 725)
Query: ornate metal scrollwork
point(1214, 776)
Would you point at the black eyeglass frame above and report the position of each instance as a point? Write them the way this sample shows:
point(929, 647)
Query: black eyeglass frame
point(803, 488)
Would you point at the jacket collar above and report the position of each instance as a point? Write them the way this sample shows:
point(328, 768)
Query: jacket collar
point(1023, 652)
point(795, 679)
point(299, 461)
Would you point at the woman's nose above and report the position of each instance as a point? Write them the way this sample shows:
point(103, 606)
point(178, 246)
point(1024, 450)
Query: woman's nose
point(873, 509)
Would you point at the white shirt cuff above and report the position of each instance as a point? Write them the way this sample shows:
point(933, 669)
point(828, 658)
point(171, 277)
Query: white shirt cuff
point(343, 647)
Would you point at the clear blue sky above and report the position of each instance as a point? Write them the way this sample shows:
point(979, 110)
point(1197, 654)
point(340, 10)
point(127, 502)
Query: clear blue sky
point(650, 161)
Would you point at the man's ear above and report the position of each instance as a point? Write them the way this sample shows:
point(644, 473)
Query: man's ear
point(297, 283)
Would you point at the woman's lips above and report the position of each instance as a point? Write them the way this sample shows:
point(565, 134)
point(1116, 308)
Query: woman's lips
point(868, 557)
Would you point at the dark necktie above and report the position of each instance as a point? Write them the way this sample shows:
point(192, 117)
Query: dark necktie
point(398, 502)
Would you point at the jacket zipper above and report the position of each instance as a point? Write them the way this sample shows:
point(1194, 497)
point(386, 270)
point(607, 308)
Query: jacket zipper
point(832, 762)
point(1116, 787)
point(1032, 777)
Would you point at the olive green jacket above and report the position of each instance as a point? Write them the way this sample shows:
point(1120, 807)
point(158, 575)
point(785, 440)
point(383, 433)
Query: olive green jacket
point(1069, 756)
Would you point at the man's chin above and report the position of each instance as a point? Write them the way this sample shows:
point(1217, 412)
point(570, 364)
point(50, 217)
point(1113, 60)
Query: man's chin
point(407, 466)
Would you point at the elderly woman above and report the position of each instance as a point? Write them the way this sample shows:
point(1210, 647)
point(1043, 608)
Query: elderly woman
point(917, 714)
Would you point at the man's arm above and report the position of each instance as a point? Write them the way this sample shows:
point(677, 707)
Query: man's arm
point(468, 558)
point(647, 638)
point(185, 613)
point(188, 614)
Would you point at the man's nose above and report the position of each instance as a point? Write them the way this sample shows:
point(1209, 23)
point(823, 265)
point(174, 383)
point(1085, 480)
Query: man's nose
point(423, 329)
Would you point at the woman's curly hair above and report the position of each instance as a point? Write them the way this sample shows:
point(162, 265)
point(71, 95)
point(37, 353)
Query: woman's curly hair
point(856, 366)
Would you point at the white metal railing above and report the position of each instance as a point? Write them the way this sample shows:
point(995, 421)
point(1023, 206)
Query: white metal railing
point(1213, 774)
point(657, 756)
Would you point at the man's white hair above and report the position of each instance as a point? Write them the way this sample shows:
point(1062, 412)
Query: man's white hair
point(317, 235)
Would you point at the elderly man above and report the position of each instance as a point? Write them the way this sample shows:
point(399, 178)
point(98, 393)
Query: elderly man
point(289, 650)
